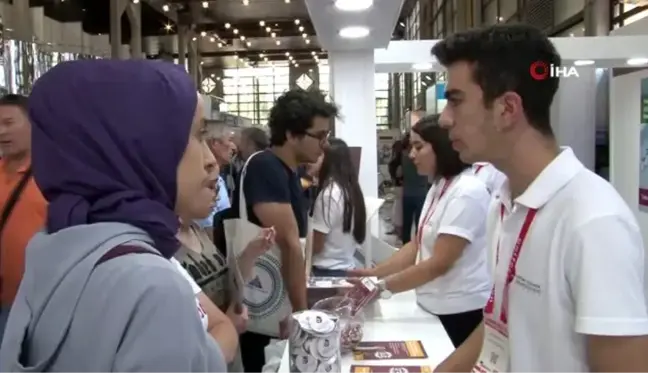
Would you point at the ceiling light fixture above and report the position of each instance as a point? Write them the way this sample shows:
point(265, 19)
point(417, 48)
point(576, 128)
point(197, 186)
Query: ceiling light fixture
point(273, 35)
point(212, 39)
point(304, 35)
point(246, 2)
point(353, 5)
point(307, 41)
point(165, 7)
point(268, 29)
point(584, 62)
point(287, 54)
point(242, 38)
point(422, 66)
point(354, 32)
point(301, 28)
point(278, 42)
point(235, 31)
point(228, 25)
point(220, 45)
point(637, 61)
point(297, 21)
point(135, 1)
point(287, 1)
point(313, 53)
point(261, 23)
point(205, 4)
point(203, 34)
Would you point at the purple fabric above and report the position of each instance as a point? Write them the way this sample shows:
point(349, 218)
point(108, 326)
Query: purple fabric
point(107, 138)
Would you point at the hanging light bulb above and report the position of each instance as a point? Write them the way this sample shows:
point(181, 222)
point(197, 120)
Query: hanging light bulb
point(228, 25)
point(261, 23)
point(205, 4)
point(307, 41)
point(165, 7)
point(278, 42)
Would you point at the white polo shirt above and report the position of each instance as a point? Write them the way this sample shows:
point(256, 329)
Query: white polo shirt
point(491, 176)
point(461, 211)
point(328, 216)
point(580, 270)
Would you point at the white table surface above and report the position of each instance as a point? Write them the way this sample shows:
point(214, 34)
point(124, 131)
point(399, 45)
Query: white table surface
point(398, 319)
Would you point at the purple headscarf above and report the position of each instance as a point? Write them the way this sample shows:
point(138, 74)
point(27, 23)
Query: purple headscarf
point(107, 139)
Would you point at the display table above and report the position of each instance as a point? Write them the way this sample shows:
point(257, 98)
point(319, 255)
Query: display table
point(398, 319)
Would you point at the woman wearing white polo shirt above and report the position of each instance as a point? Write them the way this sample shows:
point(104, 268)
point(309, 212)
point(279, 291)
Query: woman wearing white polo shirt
point(339, 213)
point(446, 262)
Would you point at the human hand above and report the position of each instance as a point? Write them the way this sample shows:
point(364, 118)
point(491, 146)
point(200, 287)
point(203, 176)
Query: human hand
point(284, 328)
point(238, 314)
point(360, 272)
point(262, 243)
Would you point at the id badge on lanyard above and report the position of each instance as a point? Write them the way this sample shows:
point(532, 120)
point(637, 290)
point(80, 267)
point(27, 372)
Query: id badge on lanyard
point(494, 356)
point(436, 198)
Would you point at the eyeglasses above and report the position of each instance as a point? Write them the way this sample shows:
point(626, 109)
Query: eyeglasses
point(322, 137)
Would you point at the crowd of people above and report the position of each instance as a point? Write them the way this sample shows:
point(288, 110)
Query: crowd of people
point(121, 205)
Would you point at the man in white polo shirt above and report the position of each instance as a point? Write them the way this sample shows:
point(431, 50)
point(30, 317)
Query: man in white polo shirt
point(569, 290)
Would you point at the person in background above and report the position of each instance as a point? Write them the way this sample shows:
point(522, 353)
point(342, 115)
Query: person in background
point(219, 139)
point(21, 202)
point(309, 178)
point(253, 139)
point(339, 214)
point(299, 125)
point(569, 289)
point(490, 175)
point(207, 266)
point(447, 261)
point(102, 266)
point(415, 188)
point(396, 174)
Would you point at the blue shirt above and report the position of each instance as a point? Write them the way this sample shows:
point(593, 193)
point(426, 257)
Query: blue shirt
point(223, 203)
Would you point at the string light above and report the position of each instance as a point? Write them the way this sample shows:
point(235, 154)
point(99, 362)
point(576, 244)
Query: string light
point(261, 23)
point(228, 25)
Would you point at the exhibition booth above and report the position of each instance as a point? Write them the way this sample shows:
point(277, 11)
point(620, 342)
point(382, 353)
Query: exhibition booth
point(628, 132)
point(600, 72)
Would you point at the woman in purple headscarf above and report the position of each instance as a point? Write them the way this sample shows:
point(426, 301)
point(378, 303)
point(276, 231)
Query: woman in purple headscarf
point(118, 152)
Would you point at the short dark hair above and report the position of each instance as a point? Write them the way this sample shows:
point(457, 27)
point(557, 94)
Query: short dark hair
point(502, 56)
point(448, 162)
point(294, 111)
point(257, 136)
point(12, 99)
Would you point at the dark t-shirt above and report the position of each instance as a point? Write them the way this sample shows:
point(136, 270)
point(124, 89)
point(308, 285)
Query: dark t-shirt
point(269, 180)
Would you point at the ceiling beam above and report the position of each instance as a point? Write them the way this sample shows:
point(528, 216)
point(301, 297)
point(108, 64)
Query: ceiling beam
point(253, 29)
point(274, 52)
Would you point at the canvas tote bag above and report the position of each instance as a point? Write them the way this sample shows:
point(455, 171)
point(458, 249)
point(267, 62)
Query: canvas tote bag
point(265, 295)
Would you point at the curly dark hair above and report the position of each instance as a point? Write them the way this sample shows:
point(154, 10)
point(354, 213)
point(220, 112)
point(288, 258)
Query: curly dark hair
point(502, 56)
point(294, 111)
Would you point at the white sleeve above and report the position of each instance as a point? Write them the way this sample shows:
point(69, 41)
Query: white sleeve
point(604, 264)
point(194, 286)
point(465, 215)
point(328, 209)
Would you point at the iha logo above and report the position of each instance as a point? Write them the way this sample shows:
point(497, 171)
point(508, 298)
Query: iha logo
point(541, 70)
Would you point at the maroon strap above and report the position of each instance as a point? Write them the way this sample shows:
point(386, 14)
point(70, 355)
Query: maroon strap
point(122, 250)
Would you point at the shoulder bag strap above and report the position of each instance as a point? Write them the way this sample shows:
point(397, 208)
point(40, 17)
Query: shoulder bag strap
point(13, 199)
point(122, 250)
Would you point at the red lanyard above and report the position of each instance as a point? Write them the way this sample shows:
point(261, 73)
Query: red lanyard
point(478, 168)
point(510, 275)
point(435, 201)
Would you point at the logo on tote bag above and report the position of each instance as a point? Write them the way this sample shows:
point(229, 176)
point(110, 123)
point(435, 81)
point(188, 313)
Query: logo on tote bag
point(265, 294)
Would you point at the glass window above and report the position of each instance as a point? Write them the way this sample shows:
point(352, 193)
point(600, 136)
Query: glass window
point(250, 92)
